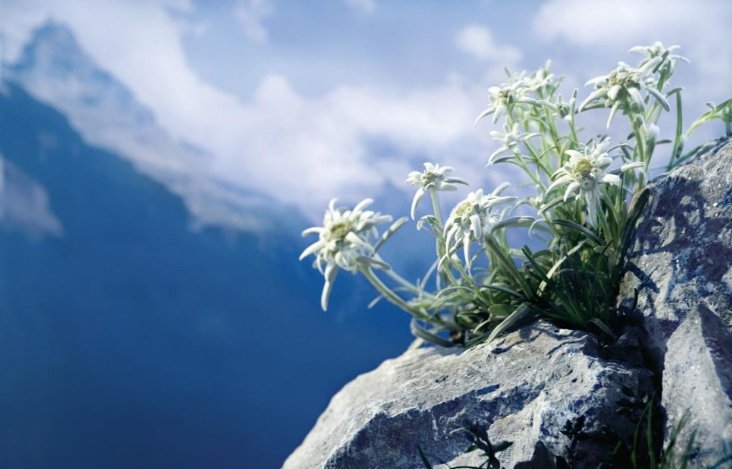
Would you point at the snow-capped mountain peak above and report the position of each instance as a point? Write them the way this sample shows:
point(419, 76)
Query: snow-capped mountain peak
point(55, 69)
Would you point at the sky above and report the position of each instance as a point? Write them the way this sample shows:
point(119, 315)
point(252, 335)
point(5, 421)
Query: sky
point(308, 101)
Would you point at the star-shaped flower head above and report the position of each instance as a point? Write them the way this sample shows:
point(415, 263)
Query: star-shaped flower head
point(510, 139)
point(515, 91)
point(622, 87)
point(472, 219)
point(433, 178)
point(344, 242)
point(668, 60)
point(584, 172)
point(544, 82)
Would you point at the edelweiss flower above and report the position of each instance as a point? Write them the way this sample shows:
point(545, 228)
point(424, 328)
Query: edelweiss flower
point(584, 172)
point(344, 242)
point(621, 88)
point(432, 179)
point(471, 219)
point(544, 81)
point(513, 92)
point(510, 138)
point(668, 60)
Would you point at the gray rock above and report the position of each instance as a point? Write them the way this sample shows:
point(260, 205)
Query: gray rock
point(681, 268)
point(547, 390)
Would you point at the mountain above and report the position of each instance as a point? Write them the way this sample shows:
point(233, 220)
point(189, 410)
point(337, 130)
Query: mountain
point(55, 69)
point(134, 331)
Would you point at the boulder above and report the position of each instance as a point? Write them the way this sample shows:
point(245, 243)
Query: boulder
point(558, 395)
point(680, 279)
point(553, 393)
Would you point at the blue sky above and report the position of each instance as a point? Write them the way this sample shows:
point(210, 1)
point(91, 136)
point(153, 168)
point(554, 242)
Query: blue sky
point(310, 100)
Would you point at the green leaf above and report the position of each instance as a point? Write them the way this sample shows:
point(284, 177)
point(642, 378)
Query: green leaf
point(501, 309)
point(513, 221)
point(551, 204)
point(504, 289)
point(603, 327)
point(637, 205)
point(678, 143)
point(589, 234)
point(558, 264)
point(375, 301)
point(388, 233)
point(660, 98)
point(538, 268)
point(501, 446)
point(422, 333)
point(518, 317)
point(511, 269)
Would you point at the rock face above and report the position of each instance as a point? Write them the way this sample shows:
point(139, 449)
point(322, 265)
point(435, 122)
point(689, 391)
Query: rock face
point(681, 269)
point(558, 394)
point(549, 391)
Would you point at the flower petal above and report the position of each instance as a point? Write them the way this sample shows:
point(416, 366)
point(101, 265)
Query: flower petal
point(562, 180)
point(611, 179)
point(633, 165)
point(417, 197)
point(571, 189)
point(361, 205)
point(330, 275)
point(316, 246)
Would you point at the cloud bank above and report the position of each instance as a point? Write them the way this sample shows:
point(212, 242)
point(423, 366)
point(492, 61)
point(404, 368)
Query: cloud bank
point(354, 138)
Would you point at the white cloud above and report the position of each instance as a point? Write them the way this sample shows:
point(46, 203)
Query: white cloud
point(24, 203)
point(600, 23)
point(364, 6)
point(308, 150)
point(348, 141)
point(251, 15)
point(701, 28)
point(477, 40)
point(302, 150)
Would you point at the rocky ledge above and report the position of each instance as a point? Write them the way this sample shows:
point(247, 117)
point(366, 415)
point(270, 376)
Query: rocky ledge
point(560, 396)
point(548, 391)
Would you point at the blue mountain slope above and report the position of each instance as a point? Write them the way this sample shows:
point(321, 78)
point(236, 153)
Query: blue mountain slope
point(129, 340)
point(55, 69)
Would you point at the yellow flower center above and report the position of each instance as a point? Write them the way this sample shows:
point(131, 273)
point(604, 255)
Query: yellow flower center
point(583, 167)
point(463, 209)
point(624, 78)
point(429, 177)
point(338, 231)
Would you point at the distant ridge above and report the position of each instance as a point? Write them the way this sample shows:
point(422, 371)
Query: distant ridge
point(55, 69)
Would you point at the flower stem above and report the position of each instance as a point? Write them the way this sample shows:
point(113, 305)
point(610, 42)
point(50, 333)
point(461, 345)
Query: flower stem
point(388, 293)
point(435, 206)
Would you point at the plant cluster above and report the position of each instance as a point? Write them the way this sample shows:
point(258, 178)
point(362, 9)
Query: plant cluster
point(588, 192)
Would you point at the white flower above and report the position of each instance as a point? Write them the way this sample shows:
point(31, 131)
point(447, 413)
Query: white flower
point(668, 60)
point(433, 178)
point(515, 91)
point(510, 138)
point(345, 241)
point(472, 218)
point(584, 172)
point(621, 88)
point(544, 82)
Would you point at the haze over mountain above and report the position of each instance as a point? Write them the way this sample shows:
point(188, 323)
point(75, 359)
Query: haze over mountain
point(151, 316)
point(56, 70)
